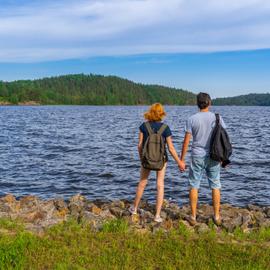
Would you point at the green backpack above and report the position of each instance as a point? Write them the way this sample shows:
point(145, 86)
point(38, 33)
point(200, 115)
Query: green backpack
point(153, 156)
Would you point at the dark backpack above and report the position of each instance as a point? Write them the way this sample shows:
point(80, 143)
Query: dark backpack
point(153, 156)
point(220, 145)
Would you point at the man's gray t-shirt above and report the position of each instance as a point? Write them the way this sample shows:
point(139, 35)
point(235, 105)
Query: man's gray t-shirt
point(201, 125)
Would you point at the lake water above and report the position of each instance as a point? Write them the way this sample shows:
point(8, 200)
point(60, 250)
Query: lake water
point(58, 151)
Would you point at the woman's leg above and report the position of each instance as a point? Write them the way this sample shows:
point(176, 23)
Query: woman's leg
point(160, 189)
point(140, 189)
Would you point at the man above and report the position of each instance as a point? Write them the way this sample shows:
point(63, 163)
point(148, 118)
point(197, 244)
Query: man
point(200, 126)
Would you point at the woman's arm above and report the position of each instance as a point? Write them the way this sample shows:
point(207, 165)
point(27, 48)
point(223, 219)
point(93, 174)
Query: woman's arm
point(140, 144)
point(173, 152)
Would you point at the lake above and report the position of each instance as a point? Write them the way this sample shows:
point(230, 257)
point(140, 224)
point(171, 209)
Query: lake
point(58, 151)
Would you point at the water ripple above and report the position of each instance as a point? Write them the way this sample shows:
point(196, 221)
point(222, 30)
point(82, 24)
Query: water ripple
point(53, 151)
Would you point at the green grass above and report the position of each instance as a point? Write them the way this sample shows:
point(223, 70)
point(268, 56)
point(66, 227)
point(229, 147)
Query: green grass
point(76, 246)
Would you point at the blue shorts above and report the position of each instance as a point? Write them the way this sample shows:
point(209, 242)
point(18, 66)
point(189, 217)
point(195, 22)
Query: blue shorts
point(211, 168)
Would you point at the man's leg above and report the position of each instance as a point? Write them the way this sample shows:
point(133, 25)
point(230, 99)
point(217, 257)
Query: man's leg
point(195, 175)
point(193, 198)
point(213, 174)
point(216, 203)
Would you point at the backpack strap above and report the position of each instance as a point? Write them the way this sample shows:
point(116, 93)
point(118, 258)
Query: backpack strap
point(162, 129)
point(148, 127)
point(217, 118)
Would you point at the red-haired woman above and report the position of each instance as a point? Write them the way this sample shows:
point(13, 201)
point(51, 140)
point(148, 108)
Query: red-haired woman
point(154, 116)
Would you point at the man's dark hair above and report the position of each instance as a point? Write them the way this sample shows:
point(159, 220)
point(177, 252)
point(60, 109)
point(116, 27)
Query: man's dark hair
point(203, 100)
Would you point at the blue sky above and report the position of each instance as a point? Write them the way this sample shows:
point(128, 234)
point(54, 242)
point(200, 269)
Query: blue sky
point(222, 47)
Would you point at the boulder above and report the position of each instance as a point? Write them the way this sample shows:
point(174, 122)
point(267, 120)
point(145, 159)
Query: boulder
point(201, 228)
point(76, 205)
point(167, 224)
point(230, 224)
point(146, 217)
point(29, 202)
point(267, 212)
point(117, 211)
point(174, 213)
point(259, 217)
point(95, 209)
point(252, 207)
point(119, 204)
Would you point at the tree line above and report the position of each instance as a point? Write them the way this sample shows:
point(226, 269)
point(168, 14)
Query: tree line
point(245, 100)
point(91, 89)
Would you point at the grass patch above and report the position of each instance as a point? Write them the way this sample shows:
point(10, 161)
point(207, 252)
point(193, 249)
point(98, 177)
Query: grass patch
point(76, 246)
point(115, 226)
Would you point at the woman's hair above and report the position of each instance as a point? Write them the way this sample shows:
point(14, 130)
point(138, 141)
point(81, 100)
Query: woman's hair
point(155, 113)
point(203, 100)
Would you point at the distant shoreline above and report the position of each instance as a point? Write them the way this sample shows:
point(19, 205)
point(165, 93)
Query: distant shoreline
point(26, 103)
point(36, 104)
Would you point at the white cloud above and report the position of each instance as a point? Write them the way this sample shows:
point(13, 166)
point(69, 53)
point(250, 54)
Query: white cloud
point(46, 30)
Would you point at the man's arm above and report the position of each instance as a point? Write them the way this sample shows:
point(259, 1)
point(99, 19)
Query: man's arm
point(173, 152)
point(185, 146)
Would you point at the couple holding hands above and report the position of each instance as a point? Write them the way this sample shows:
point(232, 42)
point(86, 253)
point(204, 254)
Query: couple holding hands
point(154, 136)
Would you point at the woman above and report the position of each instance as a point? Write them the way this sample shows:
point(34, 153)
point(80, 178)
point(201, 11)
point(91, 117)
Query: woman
point(154, 117)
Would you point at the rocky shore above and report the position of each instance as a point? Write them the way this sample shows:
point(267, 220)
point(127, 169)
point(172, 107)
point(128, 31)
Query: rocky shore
point(37, 214)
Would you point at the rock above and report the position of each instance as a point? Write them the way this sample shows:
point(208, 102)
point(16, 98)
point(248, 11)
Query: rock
point(118, 204)
point(33, 217)
point(134, 219)
point(155, 227)
point(225, 206)
point(230, 224)
point(146, 206)
point(253, 207)
point(117, 211)
point(246, 221)
point(165, 203)
point(60, 204)
point(186, 225)
point(106, 215)
point(76, 205)
point(205, 210)
point(184, 211)
point(9, 199)
point(92, 220)
point(146, 217)
point(201, 228)
point(163, 215)
point(47, 206)
point(77, 198)
point(40, 214)
point(29, 202)
point(95, 209)
point(174, 213)
point(267, 212)
point(204, 218)
point(167, 224)
point(125, 213)
point(265, 223)
point(259, 217)
point(61, 214)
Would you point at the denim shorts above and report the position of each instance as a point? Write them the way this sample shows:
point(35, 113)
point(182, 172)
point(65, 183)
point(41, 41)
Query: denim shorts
point(198, 166)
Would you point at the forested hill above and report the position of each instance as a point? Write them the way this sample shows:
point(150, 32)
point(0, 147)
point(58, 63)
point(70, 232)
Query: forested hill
point(90, 90)
point(245, 100)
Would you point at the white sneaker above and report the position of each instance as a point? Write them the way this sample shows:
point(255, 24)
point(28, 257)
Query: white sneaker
point(158, 219)
point(132, 210)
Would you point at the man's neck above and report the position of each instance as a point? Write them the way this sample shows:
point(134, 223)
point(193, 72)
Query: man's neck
point(205, 110)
